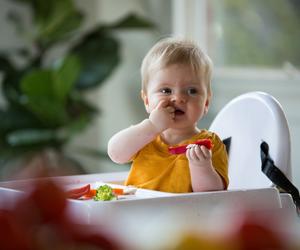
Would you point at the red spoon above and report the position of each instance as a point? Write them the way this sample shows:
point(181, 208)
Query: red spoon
point(182, 149)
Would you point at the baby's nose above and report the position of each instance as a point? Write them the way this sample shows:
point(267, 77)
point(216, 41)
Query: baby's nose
point(180, 98)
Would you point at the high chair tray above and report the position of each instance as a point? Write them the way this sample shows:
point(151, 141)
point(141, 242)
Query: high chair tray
point(93, 212)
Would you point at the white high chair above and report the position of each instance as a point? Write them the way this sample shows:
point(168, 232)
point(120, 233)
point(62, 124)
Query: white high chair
point(248, 120)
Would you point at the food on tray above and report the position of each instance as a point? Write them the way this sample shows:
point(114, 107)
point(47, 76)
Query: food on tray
point(182, 149)
point(118, 191)
point(90, 194)
point(76, 193)
point(105, 193)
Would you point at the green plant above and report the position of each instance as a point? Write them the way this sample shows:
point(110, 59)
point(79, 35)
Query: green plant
point(44, 101)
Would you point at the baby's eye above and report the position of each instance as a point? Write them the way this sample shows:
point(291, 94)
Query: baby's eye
point(166, 91)
point(192, 91)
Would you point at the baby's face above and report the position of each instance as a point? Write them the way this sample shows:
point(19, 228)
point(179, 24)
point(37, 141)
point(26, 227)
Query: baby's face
point(182, 89)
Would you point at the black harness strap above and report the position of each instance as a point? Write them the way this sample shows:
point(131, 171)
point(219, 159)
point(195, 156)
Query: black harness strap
point(276, 176)
point(227, 143)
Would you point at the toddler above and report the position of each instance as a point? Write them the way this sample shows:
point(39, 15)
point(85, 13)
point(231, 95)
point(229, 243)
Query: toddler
point(176, 77)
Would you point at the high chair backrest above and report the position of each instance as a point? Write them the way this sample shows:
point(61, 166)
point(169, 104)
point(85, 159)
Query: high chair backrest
point(248, 120)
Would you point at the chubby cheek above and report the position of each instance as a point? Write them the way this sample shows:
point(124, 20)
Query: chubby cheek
point(149, 103)
point(153, 101)
point(197, 111)
point(197, 114)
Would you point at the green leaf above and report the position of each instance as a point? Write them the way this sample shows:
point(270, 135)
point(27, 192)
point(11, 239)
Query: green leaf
point(45, 12)
point(38, 83)
point(30, 136)
point(99, 56)
point(41, 99)
point(5, 64)
point(11, 81)
point(65, 77)
point(132, 21)
point(54, 20)
point(60, 27)
point(16, 118)
point(51, 113)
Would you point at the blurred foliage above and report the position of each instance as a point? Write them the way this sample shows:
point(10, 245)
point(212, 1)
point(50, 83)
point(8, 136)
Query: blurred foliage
point(44, 101)
point(257, 33)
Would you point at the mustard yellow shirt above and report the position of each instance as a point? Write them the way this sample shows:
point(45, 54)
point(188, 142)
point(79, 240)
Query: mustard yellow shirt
point(153, 167)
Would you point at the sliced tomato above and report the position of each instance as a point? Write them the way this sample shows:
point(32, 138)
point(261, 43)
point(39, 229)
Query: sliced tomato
point(90, 194)
point(78, 192)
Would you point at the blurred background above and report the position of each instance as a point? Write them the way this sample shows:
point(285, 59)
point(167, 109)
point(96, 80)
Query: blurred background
point(70, 70)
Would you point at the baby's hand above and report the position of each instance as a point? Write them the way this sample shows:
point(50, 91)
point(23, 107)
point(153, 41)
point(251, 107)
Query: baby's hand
point(162, 116)
point(198, 155)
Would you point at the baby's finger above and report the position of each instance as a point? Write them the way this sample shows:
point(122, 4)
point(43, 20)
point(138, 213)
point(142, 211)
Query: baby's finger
point(162, 104)
point(190, 146)
point(190, 152)
point(199, 153)
point(205, 152)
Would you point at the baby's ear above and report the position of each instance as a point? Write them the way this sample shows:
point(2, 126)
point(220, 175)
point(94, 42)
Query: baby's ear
point(207, 104)
point(206, 109)
point(145, 99)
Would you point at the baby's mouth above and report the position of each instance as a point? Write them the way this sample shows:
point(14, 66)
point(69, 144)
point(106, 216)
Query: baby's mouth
point(178, 111)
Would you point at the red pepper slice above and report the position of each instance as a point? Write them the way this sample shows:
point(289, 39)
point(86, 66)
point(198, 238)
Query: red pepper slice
point(182, 149)
point(90, 194)
point(118, 191)
point(78, 192)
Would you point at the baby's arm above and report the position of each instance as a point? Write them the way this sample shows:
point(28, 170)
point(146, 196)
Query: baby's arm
point(126, 143)
point(123, 145)
point(203, 174)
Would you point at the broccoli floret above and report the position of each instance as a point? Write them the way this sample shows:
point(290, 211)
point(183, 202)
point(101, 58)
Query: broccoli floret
point(104, 193)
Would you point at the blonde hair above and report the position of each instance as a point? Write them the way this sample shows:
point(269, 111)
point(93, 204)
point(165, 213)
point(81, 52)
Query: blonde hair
point(169, 51)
